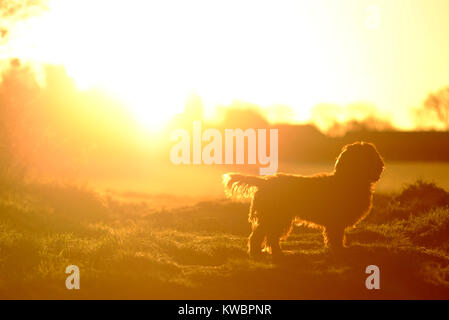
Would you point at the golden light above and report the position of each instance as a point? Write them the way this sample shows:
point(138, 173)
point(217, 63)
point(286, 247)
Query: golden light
point(152, 54)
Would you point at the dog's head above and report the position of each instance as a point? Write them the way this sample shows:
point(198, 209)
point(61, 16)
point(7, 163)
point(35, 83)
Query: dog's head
point(361, 161)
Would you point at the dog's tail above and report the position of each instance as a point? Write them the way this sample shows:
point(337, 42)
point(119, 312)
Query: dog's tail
point(241, 187)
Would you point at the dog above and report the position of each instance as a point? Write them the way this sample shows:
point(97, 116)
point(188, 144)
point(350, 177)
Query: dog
point(331, 202)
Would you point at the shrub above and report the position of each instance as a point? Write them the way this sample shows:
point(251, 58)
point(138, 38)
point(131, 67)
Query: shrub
point(415, 199)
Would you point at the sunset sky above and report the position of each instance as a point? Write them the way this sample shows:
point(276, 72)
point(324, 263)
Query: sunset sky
point(295, 53)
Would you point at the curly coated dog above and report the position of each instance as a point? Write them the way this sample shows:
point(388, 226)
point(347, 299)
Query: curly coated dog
point(329, 201)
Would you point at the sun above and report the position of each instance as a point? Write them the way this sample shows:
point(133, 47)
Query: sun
point(152, 54)
point(110, 45)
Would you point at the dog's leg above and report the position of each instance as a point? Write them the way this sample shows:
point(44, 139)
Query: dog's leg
point(334, 237)
point(273, 241)
point(255, 240)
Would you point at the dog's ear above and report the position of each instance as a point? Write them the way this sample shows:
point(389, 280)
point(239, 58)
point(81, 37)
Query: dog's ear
point(361, 161)
point(347, 161)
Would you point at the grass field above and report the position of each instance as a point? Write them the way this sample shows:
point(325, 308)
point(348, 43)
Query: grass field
point(131, 249)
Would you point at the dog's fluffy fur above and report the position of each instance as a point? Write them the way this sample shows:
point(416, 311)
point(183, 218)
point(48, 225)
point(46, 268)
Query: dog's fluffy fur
point(330, 201)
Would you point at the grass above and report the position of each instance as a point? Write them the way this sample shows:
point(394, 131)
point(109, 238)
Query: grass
point(133, 250)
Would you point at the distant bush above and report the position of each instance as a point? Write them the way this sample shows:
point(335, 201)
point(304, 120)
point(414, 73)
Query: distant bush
point(418, 216)
point(422, 196)
point(415, 199)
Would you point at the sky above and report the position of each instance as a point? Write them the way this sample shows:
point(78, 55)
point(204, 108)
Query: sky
point(153, 54)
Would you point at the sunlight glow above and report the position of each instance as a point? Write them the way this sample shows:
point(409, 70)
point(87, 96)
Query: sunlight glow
point(152, 54)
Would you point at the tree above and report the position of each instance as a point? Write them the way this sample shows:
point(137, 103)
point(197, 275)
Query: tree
point(17, 89)
point(438, 104)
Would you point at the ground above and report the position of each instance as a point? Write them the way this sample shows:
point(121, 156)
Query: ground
point(130, 249)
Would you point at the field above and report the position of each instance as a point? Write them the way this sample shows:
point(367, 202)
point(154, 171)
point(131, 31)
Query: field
point(132, 249)
point(115, 134)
